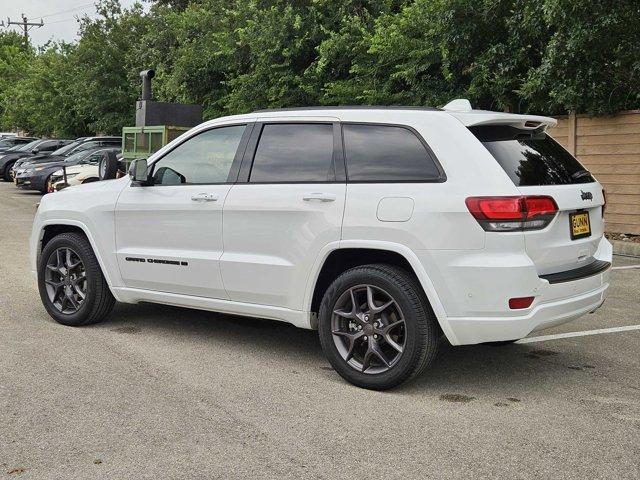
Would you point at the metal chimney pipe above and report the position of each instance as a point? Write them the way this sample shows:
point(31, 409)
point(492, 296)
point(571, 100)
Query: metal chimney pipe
point(147, 75)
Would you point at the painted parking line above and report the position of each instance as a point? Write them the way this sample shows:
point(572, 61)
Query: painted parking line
point(625, 267)
point(585, 333)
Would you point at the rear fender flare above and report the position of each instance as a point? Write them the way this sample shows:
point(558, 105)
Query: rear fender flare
point(407, 253)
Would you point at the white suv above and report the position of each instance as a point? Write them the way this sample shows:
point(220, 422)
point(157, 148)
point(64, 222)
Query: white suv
point(384, 228)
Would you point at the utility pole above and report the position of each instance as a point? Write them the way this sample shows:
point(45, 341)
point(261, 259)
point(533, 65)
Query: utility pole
point(26, 26)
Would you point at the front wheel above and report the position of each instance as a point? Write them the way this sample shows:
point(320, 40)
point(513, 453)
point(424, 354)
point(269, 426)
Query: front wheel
point(6, 174)
point(376, 327)
point(71, 284)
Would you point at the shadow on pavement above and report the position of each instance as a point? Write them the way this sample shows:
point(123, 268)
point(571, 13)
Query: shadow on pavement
point(471, 370)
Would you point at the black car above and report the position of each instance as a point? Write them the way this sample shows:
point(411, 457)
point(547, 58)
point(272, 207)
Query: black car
point(31, 149)
point(80, 144)
point(36, 175)
point(10, 142)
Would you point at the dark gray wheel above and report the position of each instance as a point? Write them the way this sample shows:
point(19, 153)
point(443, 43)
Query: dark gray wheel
point(72, 286)
point(65, 279)
point(376, 326)
point(368, 329)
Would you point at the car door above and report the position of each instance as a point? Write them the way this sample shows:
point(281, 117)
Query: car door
point(286, 207)
point(169, 233)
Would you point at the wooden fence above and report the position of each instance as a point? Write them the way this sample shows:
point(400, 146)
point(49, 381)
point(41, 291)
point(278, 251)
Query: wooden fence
point(609, 147)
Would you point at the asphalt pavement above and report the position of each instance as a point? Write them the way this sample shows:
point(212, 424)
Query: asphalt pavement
point(158, 392)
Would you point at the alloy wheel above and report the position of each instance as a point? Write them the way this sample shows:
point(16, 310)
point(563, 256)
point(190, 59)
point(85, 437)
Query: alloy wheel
point(368, 329)
point(66, 280)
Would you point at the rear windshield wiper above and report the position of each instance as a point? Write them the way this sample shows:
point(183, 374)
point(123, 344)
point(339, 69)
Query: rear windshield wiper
point(580, 174)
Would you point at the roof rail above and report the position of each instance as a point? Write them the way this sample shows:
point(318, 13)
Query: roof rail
point(346, 107)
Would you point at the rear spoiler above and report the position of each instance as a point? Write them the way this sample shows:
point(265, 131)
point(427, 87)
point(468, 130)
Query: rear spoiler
point(461, 109)
point(524, 122)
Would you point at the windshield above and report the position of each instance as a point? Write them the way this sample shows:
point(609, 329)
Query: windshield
point(93, 158)
point(15, 148)
point(64, 150)
point(77, 157)
point(26, 147)
point(531, 158)
point(7, 142)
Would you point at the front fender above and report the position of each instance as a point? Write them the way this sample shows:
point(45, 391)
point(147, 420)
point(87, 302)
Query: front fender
point(91, 208)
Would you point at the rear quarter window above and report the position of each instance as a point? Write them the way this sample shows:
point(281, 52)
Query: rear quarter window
point(383, 153)
point(531, 158)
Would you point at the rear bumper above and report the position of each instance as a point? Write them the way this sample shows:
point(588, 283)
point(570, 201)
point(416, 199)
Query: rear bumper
point(476, 304)
point(544, 315)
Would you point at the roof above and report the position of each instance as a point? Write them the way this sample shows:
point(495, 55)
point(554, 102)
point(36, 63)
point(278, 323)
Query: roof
point(460, 109)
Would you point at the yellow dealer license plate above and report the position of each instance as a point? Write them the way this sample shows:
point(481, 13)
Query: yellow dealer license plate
point(580, 225)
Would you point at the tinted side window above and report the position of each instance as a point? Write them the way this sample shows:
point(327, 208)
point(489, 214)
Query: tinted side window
point(381, 153)
point(294, 153)
point(205, 158)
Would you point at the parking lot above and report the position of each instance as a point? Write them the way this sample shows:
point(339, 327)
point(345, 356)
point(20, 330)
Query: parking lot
point(162, 392)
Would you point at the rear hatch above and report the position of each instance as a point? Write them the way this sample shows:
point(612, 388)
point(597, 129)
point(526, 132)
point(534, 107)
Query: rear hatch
point(538, 165)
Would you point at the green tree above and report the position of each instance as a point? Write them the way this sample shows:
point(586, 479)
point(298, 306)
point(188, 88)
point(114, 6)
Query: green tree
point(14, 61)
point(591, 61)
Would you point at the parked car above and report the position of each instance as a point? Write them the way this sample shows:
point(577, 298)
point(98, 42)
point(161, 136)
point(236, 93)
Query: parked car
point(37, 176)
point(80, 144)
point(31, 149)
point(85, 171)
point(385, 228)
point(7, 135)
point(9, 142)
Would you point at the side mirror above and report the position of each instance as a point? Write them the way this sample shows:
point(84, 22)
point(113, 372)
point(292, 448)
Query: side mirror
point(139, 171)
point(35, 151)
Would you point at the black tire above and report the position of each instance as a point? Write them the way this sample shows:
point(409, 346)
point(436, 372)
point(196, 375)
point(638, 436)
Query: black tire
point(45, 189)
point(421, 331)
point(6, 174)
point(109, 166)
point(98, 301)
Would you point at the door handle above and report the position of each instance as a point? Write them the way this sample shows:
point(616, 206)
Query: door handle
point(319, 197)
point(204, 197)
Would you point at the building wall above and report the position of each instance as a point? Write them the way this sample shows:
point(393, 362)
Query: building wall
point(609, 147)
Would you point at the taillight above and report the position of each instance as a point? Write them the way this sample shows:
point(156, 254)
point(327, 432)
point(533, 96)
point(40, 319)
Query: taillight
point(604, 200)
point(509, 214)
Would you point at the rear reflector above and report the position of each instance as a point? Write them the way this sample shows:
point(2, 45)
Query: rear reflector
point(509, 214)
point(520, 302)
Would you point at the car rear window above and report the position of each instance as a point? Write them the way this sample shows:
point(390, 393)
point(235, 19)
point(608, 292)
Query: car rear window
point(531, 158)
point(383, 153)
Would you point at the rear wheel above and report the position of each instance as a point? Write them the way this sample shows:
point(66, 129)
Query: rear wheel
point(71, 284)
point(376, 327)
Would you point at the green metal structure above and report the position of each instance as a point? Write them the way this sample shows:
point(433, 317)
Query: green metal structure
point(140, 142)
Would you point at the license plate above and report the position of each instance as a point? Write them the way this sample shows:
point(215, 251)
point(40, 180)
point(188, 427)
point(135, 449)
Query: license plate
point(580, 225)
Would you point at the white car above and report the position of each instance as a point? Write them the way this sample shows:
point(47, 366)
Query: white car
point(384, 228)
point(85, 171)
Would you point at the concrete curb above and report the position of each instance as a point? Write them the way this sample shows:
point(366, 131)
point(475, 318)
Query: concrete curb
point(630, 249)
